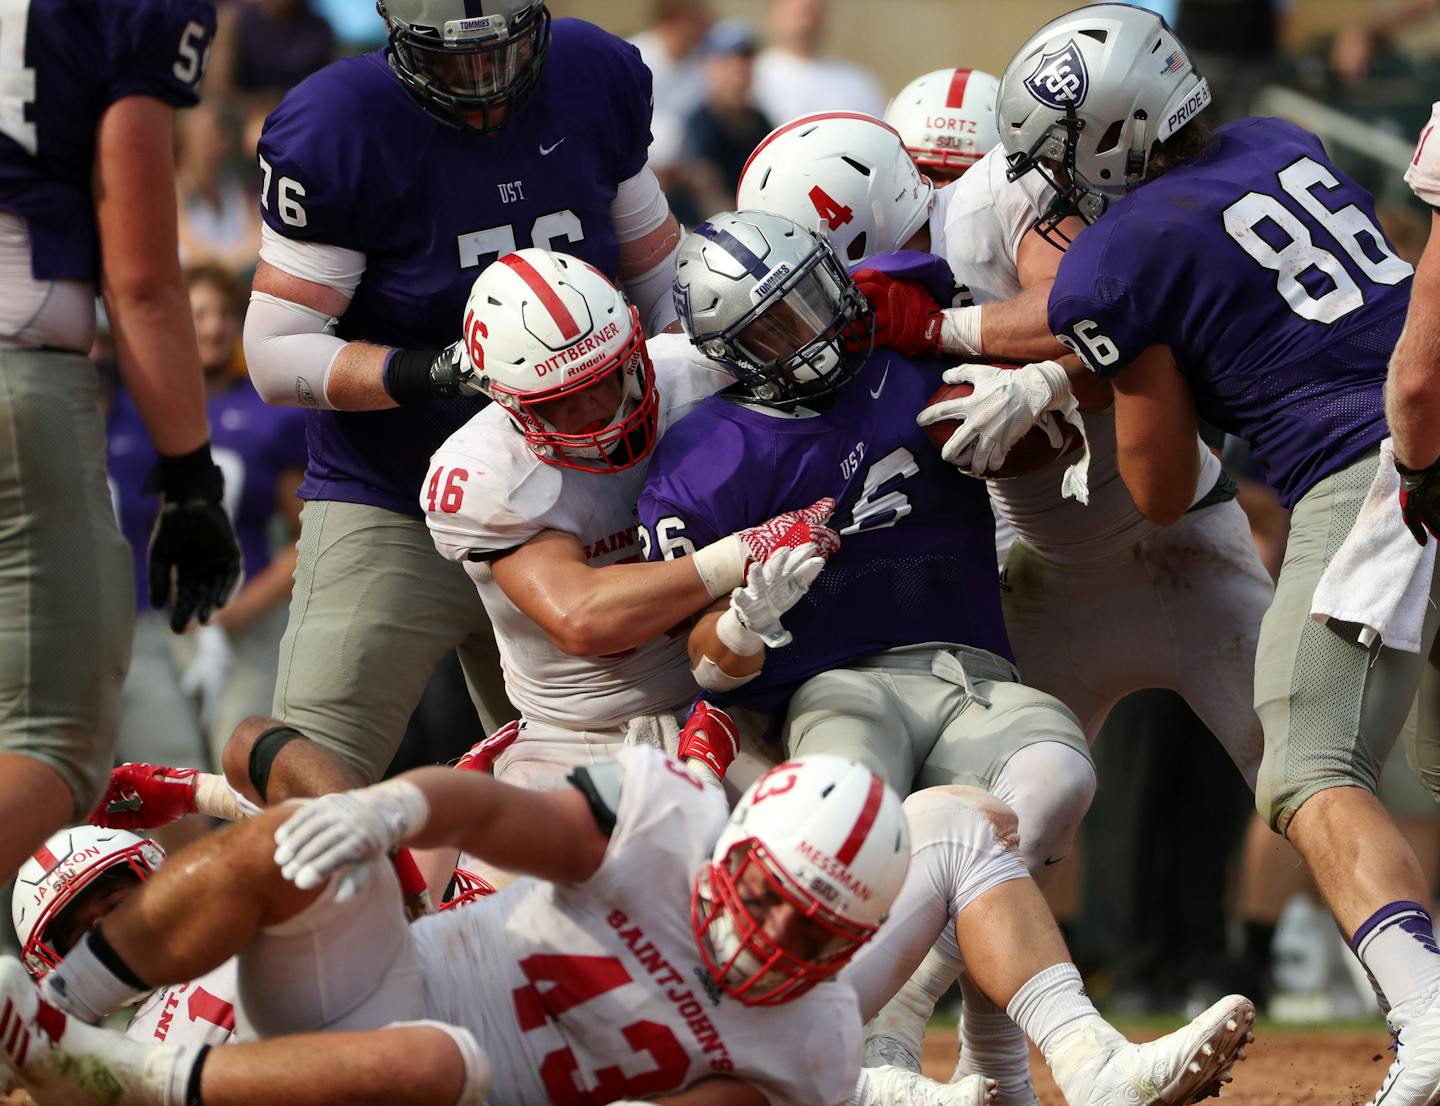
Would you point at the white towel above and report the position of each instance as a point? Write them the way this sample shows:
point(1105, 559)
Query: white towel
point(660, 730)
point(1380, 576)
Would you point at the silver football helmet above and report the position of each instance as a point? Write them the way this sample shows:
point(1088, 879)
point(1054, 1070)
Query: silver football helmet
point(1086, 100)
point(770, 301)
point(468, 70)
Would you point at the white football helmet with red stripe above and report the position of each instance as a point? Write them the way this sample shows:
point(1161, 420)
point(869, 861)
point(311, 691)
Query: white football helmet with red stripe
point(60, 871)
point(844, 175)
point(803, 874)
point(549, 337)
point(947, 120)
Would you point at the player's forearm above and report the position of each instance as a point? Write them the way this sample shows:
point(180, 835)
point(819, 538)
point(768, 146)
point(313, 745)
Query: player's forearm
point(155, 348)
point(708, 644)
point(1412, 388)
point(606, 610)
point(551, 835)
point(261, 594)
point(1017, 330)
point(1155, 428)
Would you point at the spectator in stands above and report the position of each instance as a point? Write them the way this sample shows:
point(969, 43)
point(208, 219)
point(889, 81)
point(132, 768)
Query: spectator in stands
point(721, 134)
point(673, 48)
point(219, 223)
point(267, 46)
point(1354, 46)
point(793, 79)
point(184, 696)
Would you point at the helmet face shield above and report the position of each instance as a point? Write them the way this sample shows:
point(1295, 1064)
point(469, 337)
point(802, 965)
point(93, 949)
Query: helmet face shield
point(471, 72)
point(790, 346)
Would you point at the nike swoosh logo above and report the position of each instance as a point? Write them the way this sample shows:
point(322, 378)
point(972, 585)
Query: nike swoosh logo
point(1049, 860)
point(875, 393)
point(546, 151)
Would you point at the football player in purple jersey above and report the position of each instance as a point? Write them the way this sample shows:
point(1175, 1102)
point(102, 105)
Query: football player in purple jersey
point(390, 180)
point(1238, 276)
point(86, 113)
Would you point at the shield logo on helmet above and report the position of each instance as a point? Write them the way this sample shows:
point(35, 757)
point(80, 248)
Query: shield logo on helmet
point(1060, 80)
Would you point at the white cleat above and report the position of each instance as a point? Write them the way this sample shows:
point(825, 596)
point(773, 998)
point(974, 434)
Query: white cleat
point(1414, 1077)
point(1095, 1069)
point(887, 1086)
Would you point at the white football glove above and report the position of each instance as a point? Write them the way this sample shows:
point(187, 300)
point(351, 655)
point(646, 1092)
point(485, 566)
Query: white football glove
point(1003, 408)
point(347, 828)
point(207, 672)
point(772, 587)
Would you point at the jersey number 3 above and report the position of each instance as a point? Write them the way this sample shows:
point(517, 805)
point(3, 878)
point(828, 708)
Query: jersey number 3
point(559, 983)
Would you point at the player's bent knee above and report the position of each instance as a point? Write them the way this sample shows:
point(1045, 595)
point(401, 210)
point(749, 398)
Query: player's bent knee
point(476, 1063)
point(954, 812)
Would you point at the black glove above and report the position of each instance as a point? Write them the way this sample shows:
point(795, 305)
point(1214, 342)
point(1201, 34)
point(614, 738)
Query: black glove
point(192, 539)
point(1420, 499)
point(414, 375)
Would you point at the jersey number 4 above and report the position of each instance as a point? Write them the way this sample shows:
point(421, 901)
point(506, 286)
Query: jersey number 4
point(560, 983)
point(1316, 283)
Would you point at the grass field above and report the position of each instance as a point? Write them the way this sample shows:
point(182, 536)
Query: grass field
point(1334, 1065)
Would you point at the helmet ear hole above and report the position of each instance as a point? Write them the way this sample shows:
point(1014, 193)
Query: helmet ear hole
point(1111, 138)
point(859, 248)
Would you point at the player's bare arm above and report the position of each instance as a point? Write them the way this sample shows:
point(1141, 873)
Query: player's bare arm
point(1412, 390)
point(589, 611)
point(718, 666)
point(1155, 427)
point(548, 834)
point(145, 298)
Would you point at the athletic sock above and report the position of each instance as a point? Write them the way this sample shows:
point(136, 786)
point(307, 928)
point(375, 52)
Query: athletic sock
point(1397, 946)
point(1058, 1016)
point(991, 1044)
point(896, 1035)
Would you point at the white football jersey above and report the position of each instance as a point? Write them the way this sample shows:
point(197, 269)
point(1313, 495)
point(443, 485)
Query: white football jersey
point(981, 223)
point(1423, 176)
point(201, 1012)
point(596, 992)
point(503, 495)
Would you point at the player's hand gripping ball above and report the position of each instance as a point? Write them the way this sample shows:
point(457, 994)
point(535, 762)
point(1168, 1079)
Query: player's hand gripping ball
point(996, 443)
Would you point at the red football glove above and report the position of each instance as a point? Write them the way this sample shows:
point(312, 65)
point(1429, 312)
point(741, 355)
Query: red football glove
point(1420, 499)
point(907, 318)
point(790, 531)
point(485, 752)
point(145, 796)
point(712, 736)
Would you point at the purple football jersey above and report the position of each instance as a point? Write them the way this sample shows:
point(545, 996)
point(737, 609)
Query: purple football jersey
point(79, 57)
point(917, 555)
point(252, 443)
point(350, 160)
point(1263, 268)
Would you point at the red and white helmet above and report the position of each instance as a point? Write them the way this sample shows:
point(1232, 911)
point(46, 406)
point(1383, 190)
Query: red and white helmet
point(59, 872)
point(844, 175)
point(821, 833)
point(947, 119)
point(542, 327)
point(468, 888)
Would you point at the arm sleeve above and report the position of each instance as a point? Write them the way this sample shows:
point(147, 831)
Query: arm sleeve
point(1423, 175)
point(158, 48)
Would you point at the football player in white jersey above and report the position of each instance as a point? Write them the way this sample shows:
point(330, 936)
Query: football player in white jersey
point(947, 121)
point(77, 877)
point(658, 949)
point(1098, 601)
point(537, 492)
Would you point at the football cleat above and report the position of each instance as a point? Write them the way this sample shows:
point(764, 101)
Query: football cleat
point(1098, 1068)
point(1414, 1076)
point(886, 1084)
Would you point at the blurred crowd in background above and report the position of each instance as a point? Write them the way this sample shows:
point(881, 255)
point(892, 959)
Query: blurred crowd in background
point(1180, 892)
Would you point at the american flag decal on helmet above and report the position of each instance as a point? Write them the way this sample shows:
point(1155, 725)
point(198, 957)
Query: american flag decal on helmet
point(1174, 63)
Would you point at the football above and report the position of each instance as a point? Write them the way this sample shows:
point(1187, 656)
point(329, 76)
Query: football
point(1030, 453)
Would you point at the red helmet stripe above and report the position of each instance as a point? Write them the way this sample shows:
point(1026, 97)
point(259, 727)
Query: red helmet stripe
point(553, 304)
point(806, 120)
point(955, 97)
point(46, 859)
point(861, 829)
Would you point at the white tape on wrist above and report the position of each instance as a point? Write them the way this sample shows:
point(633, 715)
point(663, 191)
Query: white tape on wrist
point(960, 329)
point(737, 637)
point(721, 566)
point(712, 677)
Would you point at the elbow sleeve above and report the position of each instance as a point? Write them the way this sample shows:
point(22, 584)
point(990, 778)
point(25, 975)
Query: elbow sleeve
point(289, 350)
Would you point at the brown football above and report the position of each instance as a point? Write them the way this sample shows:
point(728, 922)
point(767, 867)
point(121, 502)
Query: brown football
point(1030, 453)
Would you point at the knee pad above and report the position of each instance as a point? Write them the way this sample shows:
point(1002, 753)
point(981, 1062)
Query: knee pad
point(1050, 786)
point(965, 840)
point(478, 1072)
